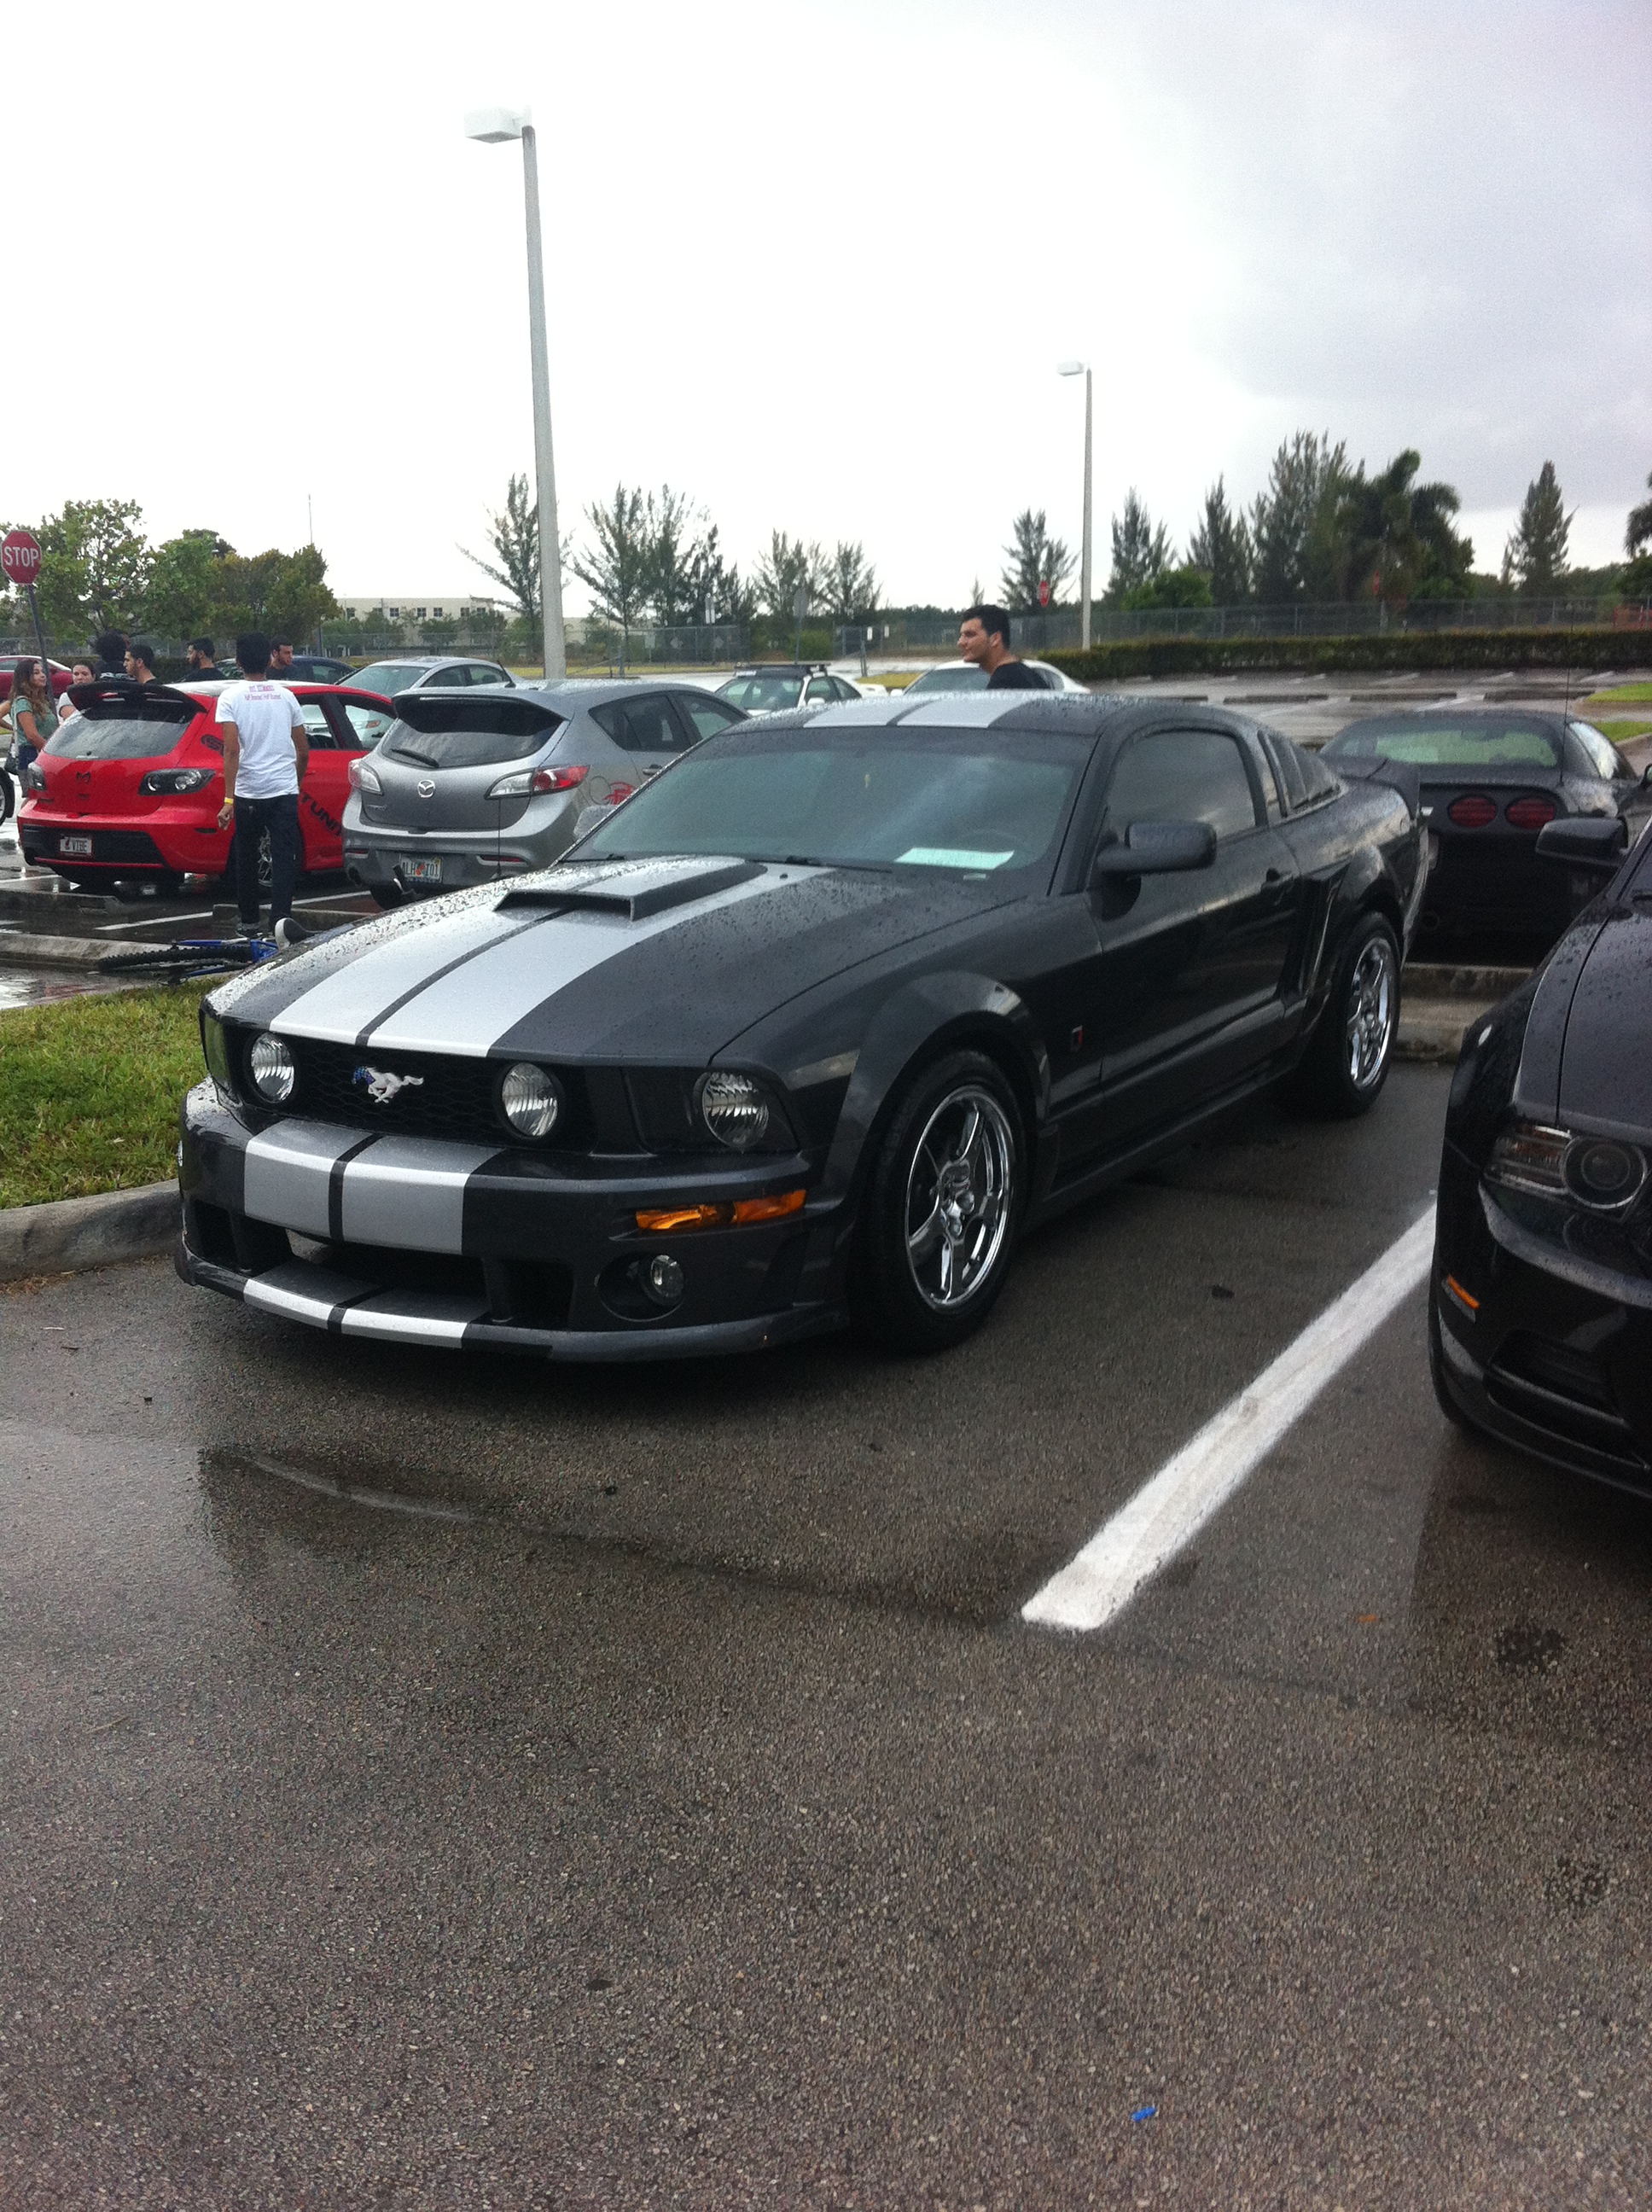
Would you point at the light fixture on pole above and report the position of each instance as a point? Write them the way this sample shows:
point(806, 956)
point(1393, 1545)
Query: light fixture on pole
point(494, 126)
point(1073, 368)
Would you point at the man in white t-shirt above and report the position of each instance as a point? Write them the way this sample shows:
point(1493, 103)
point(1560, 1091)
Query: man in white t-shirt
point(266, 751)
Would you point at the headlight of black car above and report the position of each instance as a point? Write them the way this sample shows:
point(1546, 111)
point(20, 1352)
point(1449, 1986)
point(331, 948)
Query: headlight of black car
point(1601, 1173)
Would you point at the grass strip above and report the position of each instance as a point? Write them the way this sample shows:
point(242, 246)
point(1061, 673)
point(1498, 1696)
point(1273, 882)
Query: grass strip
point(1623, 694)
point(89, 1091)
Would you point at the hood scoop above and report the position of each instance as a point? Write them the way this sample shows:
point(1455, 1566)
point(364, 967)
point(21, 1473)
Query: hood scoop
point(634, 891)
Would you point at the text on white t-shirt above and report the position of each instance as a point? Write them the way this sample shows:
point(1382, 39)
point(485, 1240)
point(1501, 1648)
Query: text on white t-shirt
point(265, 714)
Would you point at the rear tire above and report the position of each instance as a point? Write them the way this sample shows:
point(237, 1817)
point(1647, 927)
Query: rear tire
point(938, 1221)
point(1346, 1064)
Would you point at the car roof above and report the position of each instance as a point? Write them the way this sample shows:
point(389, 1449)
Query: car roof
point(423, 660)
point(1082, 714)
point(592, 690)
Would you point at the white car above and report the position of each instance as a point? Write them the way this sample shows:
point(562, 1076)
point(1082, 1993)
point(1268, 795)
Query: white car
point(778, 688)
point(964, 675)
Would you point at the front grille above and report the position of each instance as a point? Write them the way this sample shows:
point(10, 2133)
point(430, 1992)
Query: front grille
point(451, 1097)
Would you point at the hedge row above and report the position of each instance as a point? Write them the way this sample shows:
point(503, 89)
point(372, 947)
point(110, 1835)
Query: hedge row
point(1398, 650)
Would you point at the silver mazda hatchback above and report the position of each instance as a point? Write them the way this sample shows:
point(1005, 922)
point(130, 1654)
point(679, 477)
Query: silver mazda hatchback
point(468, 787)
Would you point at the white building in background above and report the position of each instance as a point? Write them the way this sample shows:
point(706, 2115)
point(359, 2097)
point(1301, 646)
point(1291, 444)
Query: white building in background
point(418, 606)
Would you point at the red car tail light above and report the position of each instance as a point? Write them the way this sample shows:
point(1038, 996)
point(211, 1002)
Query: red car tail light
point(1472, 811)
point(1530, 813)
point(558, 779)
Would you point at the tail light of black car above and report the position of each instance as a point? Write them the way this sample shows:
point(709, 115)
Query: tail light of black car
point(1530, 813)
point(175, 782)
point(1473, 810)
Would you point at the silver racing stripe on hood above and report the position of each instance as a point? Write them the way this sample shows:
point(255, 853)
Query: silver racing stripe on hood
point(465, 1012)
point(349, 1002)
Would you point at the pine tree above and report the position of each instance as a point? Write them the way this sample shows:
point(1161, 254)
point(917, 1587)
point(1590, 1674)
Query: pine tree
point(1141, 547)
point(1221, 546)
point(1535, 554)
point(1032, 557)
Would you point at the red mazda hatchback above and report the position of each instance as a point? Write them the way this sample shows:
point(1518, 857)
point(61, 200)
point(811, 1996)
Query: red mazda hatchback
point(127, 791)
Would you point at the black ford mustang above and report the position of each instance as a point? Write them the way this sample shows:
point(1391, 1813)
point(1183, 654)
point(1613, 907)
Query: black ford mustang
point(1540, 1320)
point(810, 1027)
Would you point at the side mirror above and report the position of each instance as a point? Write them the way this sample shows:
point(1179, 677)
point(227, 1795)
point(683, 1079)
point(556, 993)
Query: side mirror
point(1589, 841)
point(1156, 848)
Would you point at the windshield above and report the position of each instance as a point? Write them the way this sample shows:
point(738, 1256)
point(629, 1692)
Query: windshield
point(119, 736)
point(1449, 741)
point(762, 694)
point(963, 799)
point(1599, 747)
point(965, 676)
point(389, 676)
point(444, 733)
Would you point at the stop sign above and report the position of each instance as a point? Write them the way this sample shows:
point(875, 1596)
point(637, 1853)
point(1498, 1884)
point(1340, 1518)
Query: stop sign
point(20, 556)
point(1043, 583)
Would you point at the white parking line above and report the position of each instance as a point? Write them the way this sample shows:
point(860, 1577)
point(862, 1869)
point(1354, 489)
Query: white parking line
point(1168, 1511)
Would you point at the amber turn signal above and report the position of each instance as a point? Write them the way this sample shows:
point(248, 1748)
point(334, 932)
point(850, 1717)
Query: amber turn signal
point(656, 1223)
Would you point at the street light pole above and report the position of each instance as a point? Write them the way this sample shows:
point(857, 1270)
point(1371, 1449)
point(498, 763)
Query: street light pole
point(493, 126)
point(1072, 369)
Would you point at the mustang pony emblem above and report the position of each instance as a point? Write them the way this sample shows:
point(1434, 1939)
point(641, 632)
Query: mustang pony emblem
point(383, 1086)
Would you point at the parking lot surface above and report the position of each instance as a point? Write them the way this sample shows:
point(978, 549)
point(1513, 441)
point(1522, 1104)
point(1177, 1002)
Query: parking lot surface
point(449, 1782)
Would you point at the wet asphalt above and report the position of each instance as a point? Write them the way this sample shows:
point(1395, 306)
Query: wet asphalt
point(441, 1782)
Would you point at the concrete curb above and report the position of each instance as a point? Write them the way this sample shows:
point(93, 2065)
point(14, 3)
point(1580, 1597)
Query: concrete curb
point(75, 1233)
point(20, 948)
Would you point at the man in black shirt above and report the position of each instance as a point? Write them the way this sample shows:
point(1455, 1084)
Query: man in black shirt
point(984, 638)
point(203, 658)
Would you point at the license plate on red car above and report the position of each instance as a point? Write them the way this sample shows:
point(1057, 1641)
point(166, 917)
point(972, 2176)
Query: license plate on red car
point(421, 872)
point(75, 845)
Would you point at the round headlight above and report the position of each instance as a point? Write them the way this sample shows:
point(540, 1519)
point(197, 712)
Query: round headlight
point(271, 1066)
point(733, 1109)
point(1600, 1172)
point(530, 1100)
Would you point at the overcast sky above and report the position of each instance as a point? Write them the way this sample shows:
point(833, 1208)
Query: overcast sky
point(816, 265)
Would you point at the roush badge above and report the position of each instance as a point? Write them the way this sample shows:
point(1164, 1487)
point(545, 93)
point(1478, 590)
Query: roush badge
point(384, 1087)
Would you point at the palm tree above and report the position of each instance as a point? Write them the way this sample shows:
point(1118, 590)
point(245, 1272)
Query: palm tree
point(1397, 534)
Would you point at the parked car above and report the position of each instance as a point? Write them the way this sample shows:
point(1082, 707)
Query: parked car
point(776, 689)
point(810, 1027)
point(469, 786)
point(128, 789)
point(964, 675)
point(1491, 780)
point(1540, 1309)
point(418, 672)
point(60, 675)
point(317, 668)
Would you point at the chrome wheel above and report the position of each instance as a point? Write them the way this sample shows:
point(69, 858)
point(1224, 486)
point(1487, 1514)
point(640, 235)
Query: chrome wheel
point(959, 1190)
point(1371, 996)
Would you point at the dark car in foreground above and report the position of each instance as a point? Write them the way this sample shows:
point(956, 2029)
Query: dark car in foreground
point(1540, 1315)
point(808, 1029)
point(1491, 780)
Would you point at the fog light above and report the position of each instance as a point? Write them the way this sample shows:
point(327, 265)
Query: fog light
point(663, 1280)
point(271, 1066)
point(733, 1109)
point(530, 1100)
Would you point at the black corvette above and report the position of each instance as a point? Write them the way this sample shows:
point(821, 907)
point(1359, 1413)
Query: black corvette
point(809, 1029)
point(1540, 1319)
point(1491, 779)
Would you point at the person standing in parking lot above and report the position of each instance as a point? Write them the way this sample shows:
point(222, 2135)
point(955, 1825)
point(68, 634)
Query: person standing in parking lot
point(80, 674)
point(202, 657)
point(140, 662)
point(109, 647)
point(281, 660)
point(984, 639)
point(33, 720)
point(266, 752)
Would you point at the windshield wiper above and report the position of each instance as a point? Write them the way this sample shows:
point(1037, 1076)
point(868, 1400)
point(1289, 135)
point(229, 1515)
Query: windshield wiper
point(407, 753)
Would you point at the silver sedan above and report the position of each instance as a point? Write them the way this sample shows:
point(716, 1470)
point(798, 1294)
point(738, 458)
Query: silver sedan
point(470, 786)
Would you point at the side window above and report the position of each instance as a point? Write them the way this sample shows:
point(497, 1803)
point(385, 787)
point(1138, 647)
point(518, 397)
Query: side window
point(1182, 775)
point(1273, 790)
point(317, 728)
point(479, 672)
point(640, 725)
point(704, 714)
point(360, 727)
point(446, 677)
point(820, 688)
point(1603, 756)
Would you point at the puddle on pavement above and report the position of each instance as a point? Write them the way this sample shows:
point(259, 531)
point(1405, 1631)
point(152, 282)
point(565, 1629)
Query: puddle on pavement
point(42, 986)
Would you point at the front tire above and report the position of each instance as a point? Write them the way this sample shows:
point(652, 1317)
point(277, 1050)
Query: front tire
point(1346, 1064)
point(942, 1208)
